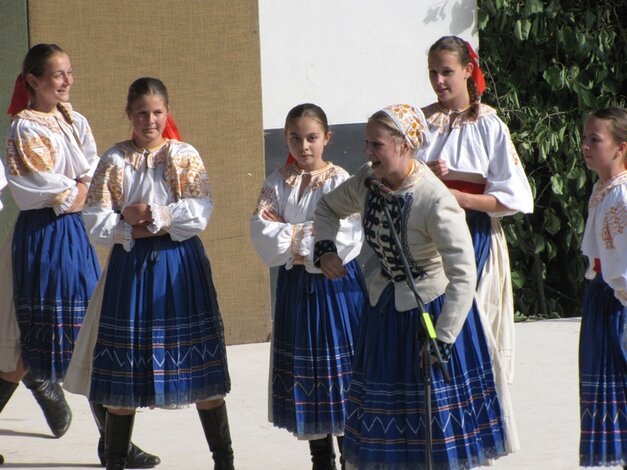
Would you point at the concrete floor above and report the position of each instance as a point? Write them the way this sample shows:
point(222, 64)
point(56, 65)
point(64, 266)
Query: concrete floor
point(545, 395)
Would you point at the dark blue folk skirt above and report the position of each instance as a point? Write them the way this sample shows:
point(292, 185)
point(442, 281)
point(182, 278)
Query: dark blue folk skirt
point(160, 338)
point(602, 377)
point(386, 400)
point(55, 270)
point(480, 228)
point(315, 322)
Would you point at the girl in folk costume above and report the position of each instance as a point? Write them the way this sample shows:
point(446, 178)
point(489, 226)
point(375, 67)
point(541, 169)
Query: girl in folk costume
point(386, 402)
point(472, 152)
point(156, 303)
point(603, 339)
point(49, 267)
point(315, 319)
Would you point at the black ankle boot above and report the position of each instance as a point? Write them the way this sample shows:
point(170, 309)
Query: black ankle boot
point(322, 453)
point(215, 424)
point(136, 457)
point(51, 399)
point(118, 431)
point(6, 392)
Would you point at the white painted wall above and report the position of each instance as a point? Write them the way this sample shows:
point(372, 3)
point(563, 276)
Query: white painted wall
point(352, 57)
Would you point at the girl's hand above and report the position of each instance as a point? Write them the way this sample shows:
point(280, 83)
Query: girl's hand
point(269, 214)
point(79, 201)
point(141, 231)
point(332, 266)
point(438, 167)
point(137, 214)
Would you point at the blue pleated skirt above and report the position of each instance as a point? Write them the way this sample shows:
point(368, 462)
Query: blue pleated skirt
point(385, 427)
point(602, 377)
point(160, 337)
point(480, 229)
point(55, 270)
point(315, 321)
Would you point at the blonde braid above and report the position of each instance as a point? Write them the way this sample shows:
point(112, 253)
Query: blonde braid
point(66, 114)
point(475, 99)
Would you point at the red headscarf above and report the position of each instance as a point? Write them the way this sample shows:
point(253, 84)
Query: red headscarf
point(20, 98)
point(477, 74)
point(290, 158)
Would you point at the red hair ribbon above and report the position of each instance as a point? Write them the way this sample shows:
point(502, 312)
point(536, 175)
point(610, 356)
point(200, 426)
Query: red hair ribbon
point(170, 131)
point(290, 158)
point(20, 98)
point(477, 74)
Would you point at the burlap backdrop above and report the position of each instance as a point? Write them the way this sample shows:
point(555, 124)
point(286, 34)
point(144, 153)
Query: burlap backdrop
point(207, 54)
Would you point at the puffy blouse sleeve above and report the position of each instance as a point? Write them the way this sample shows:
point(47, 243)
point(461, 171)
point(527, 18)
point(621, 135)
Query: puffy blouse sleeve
point(341, 203)
point(506, 179)
point(191, 209)
point(31, 157)
point(277, 243)
point(105, 201)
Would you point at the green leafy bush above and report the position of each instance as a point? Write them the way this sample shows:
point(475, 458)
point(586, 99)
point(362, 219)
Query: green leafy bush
point(547, 64)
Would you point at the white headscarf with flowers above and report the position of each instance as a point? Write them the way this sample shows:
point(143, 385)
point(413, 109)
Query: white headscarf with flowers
point(411, 123)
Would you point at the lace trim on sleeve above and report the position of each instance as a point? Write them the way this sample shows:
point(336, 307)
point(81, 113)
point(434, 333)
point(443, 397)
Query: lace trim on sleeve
point(123, 235)
point(161, 218)
point(63, 201)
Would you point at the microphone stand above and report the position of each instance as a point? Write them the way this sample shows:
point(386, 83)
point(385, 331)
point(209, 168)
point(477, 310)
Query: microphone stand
point(427, 325)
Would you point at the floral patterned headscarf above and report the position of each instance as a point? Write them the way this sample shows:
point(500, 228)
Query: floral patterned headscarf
point(411, 123)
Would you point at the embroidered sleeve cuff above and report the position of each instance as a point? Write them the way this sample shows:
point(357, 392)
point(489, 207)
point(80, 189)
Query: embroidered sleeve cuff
point(161, 218)
point(64, 200)
point(322, 247)
point(123, 234)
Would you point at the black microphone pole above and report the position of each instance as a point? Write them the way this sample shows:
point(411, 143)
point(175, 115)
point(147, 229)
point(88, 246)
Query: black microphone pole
point(425, 319)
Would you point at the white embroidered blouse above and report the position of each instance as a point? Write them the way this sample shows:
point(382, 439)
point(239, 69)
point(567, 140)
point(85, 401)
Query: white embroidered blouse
point(605, 235)
point(291, 242)
point(171, 179)
point(480, 151)
point(46, 156)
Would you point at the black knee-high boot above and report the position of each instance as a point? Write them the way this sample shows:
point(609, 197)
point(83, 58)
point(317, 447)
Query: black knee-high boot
point(340, 445)
point(322, 453)
point(52, 401)
point(215, 424)
point(6, 392)
point(118, 431)
point(136, 458)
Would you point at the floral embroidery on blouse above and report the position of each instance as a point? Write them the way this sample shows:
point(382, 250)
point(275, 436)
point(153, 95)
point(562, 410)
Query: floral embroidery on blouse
point(30, 154)
point(442, 122)
point(186, 176)
point(48, 120)
point(599, 191)
point(613, 225)
point(106, 187)
point(292, 173)
point(267, 200)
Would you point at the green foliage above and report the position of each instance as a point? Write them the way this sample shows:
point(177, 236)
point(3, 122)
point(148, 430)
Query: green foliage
point(547, 65)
